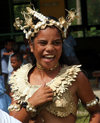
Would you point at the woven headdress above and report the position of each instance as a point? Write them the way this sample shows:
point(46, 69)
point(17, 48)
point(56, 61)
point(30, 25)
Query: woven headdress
point(30, 27)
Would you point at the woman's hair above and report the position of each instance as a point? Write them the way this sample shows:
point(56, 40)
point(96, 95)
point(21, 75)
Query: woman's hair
point(63, 59)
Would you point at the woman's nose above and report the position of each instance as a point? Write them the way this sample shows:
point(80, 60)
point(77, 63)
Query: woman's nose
point(49, 47)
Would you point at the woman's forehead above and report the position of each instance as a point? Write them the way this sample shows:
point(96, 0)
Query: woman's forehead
point(49, 31)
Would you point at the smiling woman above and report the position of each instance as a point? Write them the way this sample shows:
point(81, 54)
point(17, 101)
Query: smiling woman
point(47, 48)
point(49, 90)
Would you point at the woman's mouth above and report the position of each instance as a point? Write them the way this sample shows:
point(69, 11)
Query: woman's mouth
point(48, 58)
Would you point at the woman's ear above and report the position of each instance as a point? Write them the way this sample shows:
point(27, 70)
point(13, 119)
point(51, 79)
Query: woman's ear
point(30, 45)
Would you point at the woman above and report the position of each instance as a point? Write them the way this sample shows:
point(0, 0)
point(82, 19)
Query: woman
point(48, 91)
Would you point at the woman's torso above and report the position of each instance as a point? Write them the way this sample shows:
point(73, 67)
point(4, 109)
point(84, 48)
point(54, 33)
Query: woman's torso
point(47, 115)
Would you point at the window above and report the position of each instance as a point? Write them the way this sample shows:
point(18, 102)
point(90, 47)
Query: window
point(88, 23)
point(18, 6)
point(18, 9)
point(93, 10)
point(76, 6)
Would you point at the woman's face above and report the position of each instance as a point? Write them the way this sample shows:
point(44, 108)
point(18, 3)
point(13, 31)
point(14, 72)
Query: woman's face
point(47, 47)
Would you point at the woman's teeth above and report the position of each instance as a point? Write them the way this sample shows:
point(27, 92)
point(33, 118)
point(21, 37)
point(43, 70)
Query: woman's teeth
point(49, 56)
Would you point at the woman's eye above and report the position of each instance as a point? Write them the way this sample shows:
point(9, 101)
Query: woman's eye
point(42, 42)
point(57, 42)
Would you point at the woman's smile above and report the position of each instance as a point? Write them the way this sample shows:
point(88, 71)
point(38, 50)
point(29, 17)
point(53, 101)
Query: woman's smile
point(48, 58)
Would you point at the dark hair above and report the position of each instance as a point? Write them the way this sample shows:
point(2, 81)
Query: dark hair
point(18, 56)
point(63, 59)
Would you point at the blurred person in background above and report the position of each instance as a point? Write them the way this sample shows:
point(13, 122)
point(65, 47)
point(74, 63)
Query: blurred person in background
point(5, 53)
point(5, 99)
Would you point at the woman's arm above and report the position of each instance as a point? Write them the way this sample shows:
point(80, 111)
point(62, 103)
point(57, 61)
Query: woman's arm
point(86, 94)
point(41, 96)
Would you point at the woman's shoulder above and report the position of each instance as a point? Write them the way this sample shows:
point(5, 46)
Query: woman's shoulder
point(82, 77)
point(82, 80)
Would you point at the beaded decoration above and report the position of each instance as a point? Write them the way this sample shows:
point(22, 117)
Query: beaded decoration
point(92, 103)
point(30, 108)
point(30, 27)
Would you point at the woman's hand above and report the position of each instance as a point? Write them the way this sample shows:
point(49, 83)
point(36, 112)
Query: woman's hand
point(41, 96)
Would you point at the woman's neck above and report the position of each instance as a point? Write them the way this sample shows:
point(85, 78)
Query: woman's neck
point(42, 76)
